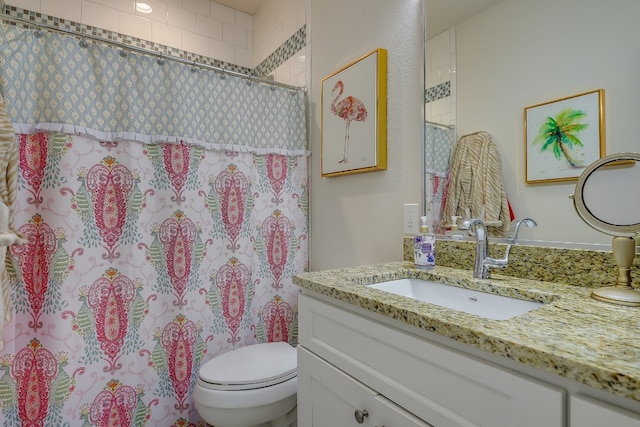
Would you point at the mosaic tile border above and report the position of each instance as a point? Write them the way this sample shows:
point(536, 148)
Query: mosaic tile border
point(437, 92)
point(283, 53)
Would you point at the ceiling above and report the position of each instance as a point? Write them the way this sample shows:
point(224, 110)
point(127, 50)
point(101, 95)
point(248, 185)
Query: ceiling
point(444, 14)
point(441, 14)
point(247, 6)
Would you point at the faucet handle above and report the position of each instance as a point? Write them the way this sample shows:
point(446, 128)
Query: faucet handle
point(469, 224)
point(514, 227)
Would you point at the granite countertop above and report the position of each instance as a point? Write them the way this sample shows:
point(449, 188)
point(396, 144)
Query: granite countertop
point(571, 335)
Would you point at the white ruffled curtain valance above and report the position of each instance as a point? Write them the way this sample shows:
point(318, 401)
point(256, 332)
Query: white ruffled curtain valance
point(53, 84)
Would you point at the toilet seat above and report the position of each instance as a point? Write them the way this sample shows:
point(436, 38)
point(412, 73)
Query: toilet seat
point(250, 367)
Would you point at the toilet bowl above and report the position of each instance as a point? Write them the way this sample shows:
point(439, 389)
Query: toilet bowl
point(252, 386)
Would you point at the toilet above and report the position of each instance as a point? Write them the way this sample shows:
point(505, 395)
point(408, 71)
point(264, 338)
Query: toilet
point(252, 386)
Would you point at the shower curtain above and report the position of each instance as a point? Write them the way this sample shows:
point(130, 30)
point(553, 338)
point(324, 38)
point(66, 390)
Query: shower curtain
point(438, 144)
point(165, 211)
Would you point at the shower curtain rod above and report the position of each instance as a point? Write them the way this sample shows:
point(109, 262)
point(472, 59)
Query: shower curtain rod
point(160, 57)
point(440, 125)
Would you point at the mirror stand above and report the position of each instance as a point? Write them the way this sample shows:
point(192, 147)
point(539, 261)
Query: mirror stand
point(624, 251)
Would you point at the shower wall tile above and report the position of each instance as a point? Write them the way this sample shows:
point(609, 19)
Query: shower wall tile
point(222, 51)
point(201, 7)
point(223, 13)
point(123, 5)
point(67, 9)
point(235, 36)
point(97, 15)
point(166, 35)
point(180, 18)
point(209, 27)
point(133, 25)
point(158, 13)
point(198, 44)
point(270, 43)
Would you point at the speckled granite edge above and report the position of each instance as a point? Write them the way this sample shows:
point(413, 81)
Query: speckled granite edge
point(576, 267)
point(572, 335)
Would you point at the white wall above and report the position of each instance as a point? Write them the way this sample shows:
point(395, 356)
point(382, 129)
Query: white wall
point(520, 53)
point(357, 219)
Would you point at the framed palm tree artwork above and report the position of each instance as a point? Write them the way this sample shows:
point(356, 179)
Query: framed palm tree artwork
point(563, 137)
point(354, 117)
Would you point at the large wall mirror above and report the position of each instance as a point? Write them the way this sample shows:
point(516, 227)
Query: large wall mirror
point(486, 61)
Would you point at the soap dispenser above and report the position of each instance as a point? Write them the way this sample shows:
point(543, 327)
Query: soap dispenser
point(424, 247)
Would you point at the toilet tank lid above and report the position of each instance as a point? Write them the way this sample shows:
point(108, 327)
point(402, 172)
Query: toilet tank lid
point(253, 364)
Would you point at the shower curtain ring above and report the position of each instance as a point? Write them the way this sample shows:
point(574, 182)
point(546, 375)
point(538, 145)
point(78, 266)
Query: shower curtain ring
point(38, 33)
point(160, 61)
point(223, 74)
point(83, 42)
point(123, 53)
point(193, 68)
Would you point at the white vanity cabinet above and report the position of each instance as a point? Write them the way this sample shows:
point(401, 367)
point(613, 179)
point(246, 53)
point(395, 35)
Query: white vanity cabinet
point(332, 398)
point(587, 412)
point(349, 361)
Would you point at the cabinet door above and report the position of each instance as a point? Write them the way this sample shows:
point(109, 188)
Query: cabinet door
point(587, 412)
point(327, 397)
point(446, 387)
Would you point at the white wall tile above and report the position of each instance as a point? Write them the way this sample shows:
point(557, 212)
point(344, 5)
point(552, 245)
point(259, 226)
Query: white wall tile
point(66, 9)
point(196, 43)
point(222, 13)
point(201, 7)
point(100, 16)
point(222, 51)
point(244, 57)
point(128, 6)
point(183, 19)
point(158, 11)
point(243, 20)
point(133, 25)
point(208, 27)
point(234, 35)
point(166, 35)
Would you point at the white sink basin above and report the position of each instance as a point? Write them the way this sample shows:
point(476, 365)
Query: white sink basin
point(482, 304)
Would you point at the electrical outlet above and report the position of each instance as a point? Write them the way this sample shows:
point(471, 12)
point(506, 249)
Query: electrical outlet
point(411, 218)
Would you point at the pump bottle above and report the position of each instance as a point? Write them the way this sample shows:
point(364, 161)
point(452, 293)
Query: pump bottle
point(424, 247)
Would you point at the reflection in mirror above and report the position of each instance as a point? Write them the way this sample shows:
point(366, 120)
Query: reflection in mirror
point(606, 198)
point(483, 68)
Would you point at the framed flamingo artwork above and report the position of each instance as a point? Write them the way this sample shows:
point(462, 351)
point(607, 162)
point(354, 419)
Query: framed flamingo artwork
point(354, 117)
point(563, 137)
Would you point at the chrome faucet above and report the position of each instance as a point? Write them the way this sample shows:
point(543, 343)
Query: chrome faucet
point(484, 262)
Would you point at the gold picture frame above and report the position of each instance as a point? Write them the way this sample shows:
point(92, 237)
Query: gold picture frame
point(564, 136)
point(353, 117)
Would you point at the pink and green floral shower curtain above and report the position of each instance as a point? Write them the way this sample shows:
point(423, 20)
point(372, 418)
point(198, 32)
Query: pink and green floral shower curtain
point(160, 235)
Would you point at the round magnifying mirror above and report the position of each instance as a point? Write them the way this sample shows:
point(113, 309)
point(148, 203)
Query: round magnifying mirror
point(606, 198)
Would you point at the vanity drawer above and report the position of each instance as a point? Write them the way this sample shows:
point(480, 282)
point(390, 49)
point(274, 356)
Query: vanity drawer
point(438, 384)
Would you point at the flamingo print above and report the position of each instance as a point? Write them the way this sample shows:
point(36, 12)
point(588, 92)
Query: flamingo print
point(349, 109)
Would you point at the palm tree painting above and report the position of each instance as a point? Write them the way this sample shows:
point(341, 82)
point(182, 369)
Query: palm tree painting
point(559, 135)
point(564, 136)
